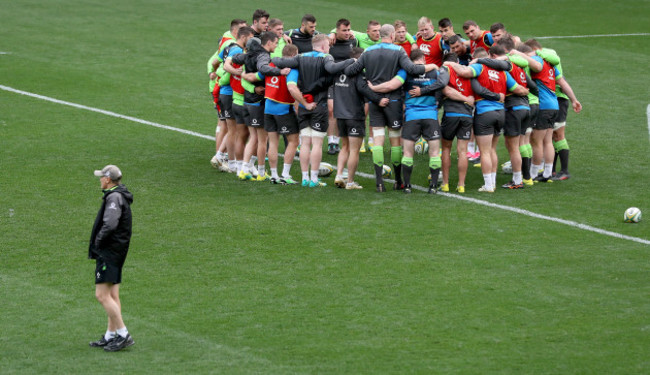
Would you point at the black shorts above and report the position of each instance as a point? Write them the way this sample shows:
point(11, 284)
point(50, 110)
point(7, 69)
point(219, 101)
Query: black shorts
point(238, 113)
point(516, 122)
point(107, 272)
point(281, 124)
point(225, 104)
point(351, 128)
point(316, 119)
point(489, 123)
point(534, 112)
point(254, 115)
point(391, 115)
point(428, 128)
point(564, 104)
point(456, 126)
point(545, 119)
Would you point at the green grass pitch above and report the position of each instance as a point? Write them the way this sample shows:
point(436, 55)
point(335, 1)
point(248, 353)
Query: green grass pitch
point(227, 277)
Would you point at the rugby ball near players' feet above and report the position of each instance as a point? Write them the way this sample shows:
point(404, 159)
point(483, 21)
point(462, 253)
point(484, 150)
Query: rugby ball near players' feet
point(421, 146)
point(387, 172)
point(325, 169)
point(632, 215)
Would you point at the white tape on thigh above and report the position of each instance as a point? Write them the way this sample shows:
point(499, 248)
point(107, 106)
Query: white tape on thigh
point(394, 133)
point(558, 125)
point(218, 129)
point(306, 132)
point(529, 130)
point(317, 134)
point(378, 132)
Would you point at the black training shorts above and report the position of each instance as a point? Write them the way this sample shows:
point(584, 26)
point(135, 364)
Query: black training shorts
point(456, 126)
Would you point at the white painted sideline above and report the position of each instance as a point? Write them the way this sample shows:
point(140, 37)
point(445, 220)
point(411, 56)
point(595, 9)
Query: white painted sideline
point(107, 113)
point(361, 174)
point(590, 36)
point(647, 112)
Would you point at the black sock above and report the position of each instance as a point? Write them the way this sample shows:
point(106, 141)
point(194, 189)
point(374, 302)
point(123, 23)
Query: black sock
point(525, 168)
point(407, 175)
point(434, 177)
point(564, 160)
point(398, 172)
point(379, 174)
point(555, 162)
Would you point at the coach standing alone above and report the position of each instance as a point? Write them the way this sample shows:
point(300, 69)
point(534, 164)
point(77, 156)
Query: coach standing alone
point(109, 244)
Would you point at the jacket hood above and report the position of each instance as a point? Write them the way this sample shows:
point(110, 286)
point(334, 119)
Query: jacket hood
point(122, 190)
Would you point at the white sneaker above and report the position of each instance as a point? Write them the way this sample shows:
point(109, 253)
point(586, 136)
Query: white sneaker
point(353, 186)
point(214, 161)
point(485, 189)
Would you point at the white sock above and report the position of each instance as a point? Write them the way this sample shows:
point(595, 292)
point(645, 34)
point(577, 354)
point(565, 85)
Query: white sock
point(221, 155)
point(494, 179)
point(487, 179)
point(253, 159)
point(330, 139)
point(260, 170)
point(548, 170)
point(286, 168)
point(245, 167)
point(471, 147)
point(314, 175)
point(122, 332)
point(109, 335)
point(534, 170)
point(305, 175)
point(337, 139)
point(370, 140)
point(274, 173)
point(239, 166)
point(516, 177)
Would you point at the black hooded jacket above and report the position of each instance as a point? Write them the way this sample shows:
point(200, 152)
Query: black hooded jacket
point(111, 233)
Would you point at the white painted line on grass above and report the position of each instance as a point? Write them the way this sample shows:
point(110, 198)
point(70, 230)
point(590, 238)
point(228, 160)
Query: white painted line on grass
point(5, 53)
point(107, 113)
point(647, 112)
point(590, 36)
point(361, 174)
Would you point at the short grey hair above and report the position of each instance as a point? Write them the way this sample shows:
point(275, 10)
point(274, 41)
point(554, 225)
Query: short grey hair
point(386, 30)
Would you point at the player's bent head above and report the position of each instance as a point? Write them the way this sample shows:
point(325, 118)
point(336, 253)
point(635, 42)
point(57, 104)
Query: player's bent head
point(245, 31)
point(417, 54)
point(308, 18)
point(534, 44)
point(444, 23)
point(259, 14)
point(524, 48)
point(289, 50)
point(468, 24)
point(319, 42)
point(480, 53)
point(450, 57)
point(356, 52)
point(236, 24)
point(507, 42)
point(267, 37)
point(386, 31)
point(454, 39)
point(273, 22)
point(342, 22)
point(424, 21)
point(496, 27)
point(497, 50)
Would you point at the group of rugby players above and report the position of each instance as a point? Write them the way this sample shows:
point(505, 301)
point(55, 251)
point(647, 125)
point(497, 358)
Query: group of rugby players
point(305, 86)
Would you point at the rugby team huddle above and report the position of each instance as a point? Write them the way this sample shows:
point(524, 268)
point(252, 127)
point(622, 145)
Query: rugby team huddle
point(304, 86)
